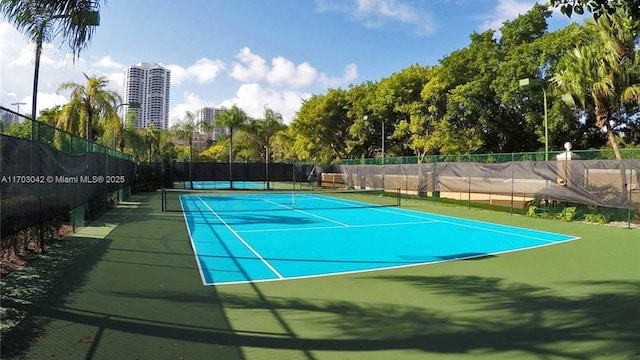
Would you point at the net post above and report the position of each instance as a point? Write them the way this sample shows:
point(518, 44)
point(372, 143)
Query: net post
point(398, 197)
point(164, 196)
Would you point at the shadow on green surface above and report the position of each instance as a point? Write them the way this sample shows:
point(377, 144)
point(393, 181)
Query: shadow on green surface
point(35, 290)
point(496, 316)
point(60, 298)
point(507, 317)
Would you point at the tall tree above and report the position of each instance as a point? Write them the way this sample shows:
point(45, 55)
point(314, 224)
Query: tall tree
point(190, 124)
point(184, 130)
point(260, 132)
point(322, 128)
point(166, 148)
point(530, 51)
point(152, 140)
point(598, 7)
point(43, 20)
point(74, 20)
point(91, 106)
point(473, 110)
point(232, 119)
point(600, 74)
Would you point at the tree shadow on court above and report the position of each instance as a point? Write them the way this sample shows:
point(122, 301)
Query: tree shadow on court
point(39, 296)
point(29, 292)
point(516, 316)
point(505, 317)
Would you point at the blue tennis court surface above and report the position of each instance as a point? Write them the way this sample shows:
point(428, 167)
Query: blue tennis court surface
point(239, 238)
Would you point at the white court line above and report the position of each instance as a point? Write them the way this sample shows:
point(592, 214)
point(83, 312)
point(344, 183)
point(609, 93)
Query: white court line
point(336, 227)
point(308, 213)
point(381, 268)
point(483, 228)
point(417, 215)
point(460, 224)
point(264, 261)
point(193, 245)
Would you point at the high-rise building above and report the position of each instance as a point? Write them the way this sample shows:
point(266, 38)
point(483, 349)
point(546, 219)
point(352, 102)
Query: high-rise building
point(208, 115)
point(148, 84)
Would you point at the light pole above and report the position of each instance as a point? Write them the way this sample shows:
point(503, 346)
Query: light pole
point(529, 83)
point(18, 104)
point(382, 126)
point(266, 165)
point(88, 18)
point(131, 105)
point(15, 117)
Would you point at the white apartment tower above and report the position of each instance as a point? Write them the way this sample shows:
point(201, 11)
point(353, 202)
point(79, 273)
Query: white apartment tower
point(148, 84)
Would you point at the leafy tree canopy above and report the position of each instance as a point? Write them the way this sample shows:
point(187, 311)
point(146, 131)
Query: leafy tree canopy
point(598, 7)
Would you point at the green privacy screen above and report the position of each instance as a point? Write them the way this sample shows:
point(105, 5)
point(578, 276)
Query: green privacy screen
point(38, 182)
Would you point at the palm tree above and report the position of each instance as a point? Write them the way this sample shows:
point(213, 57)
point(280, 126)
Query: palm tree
point(75, 22)
point(261, 131)
point(599, 74)
point(166, 149)
point(152, 140)
point(184, 130)
point(91, 104)
point(231, 119)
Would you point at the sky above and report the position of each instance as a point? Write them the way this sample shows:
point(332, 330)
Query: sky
point(253, 53)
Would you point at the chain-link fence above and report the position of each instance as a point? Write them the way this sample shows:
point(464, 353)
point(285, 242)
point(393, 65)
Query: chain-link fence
point(601, 154)
point(50, 178)
point(19, 126)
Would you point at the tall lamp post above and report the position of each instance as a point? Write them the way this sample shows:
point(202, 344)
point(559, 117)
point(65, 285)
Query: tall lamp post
point(15, 117)
point(18, 104)
point(527, 83)
point(266, 165)
point(88, 18)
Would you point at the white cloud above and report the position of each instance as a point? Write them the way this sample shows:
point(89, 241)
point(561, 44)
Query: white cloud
point(178, 74)
point(205, 70)
point(286, 72)
point(250, 67)
point(350, 73)
point(253, 98)
point(379, 13)
point(202, 70)
point(116, 82)
point(278, 83)
point(505, 10)
point(109, 63)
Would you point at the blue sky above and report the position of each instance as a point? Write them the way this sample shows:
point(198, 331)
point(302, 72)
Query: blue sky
point(254, 53)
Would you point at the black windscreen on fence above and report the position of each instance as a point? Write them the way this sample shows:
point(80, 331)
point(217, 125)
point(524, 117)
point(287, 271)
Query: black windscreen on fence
point(211, 171)
point(38, 182)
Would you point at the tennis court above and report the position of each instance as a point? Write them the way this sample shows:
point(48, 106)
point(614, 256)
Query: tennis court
point(130, 288)
point(251, 237)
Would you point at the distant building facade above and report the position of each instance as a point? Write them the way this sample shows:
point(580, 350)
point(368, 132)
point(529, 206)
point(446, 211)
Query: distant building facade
point(148, 84)
point(8, 118)
point(208, 116)
point(201, 141)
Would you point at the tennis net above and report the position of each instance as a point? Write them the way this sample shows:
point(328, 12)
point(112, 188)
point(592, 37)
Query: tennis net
point(181, 200)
